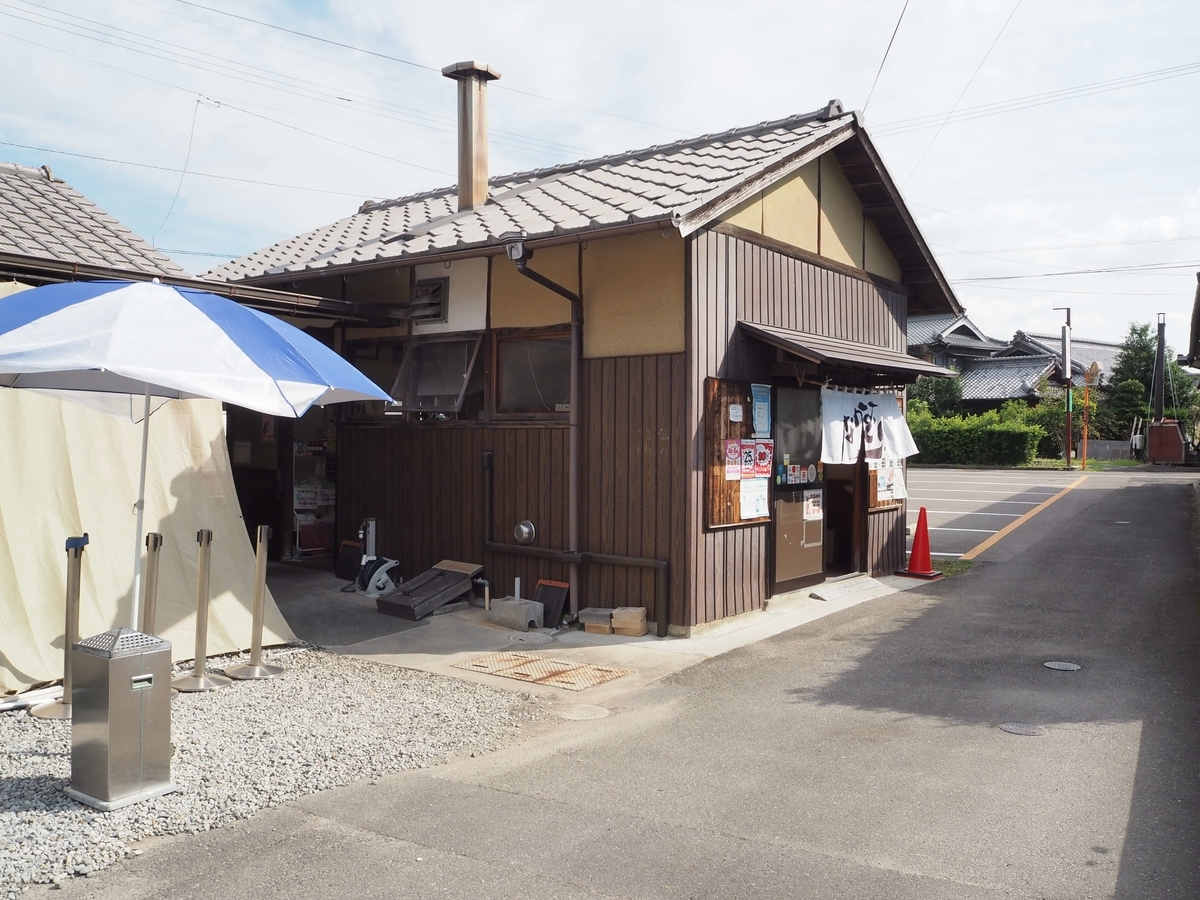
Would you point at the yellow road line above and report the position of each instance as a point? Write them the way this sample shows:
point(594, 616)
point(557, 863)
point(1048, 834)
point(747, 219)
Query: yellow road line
point(1013, 526)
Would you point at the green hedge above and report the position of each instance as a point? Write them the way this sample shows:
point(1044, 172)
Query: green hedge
point(975, 440)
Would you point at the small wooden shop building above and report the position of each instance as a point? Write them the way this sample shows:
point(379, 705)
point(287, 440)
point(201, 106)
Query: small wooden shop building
point(606, 330)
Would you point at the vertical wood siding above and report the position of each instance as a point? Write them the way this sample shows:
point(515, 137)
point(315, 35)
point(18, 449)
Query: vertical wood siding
point(730, 279)
point(424, 484)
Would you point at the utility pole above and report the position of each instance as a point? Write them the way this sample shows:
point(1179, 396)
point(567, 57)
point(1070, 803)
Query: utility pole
point(1066, 379)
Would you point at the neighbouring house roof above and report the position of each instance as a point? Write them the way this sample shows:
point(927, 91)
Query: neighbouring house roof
point(924, 329)
point(44, 218)
point(953, 332)
point(1005, 377)
point(823, 350)
point(1084, 351)
point(685, 185)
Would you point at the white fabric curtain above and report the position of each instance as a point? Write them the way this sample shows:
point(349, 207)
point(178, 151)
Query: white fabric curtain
point(871, 423)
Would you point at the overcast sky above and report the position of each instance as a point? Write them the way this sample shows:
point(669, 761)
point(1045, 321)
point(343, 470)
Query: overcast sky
point(1105, 179)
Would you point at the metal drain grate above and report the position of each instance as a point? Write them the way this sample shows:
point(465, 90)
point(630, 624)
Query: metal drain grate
point(1062, 666)
point(1023, 729)
point(583, 712)
point(533, 637)
point(495, 663)
point(535, 669)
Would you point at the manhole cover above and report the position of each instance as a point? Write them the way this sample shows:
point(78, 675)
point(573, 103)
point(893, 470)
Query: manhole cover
point(533, 637)
point(1022, 728)
point(582, 713)
point(1062, 666)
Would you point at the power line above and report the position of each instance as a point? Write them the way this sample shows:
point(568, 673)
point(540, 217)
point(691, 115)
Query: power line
point(139, 165)
point(1188, 162)
point(902, 126)
point(999, 287)
point(1148, 267)
point(966, 88)
point(250, 74)
point(223, 103)
point(885, 56)
point(1174, 240)
point(182, 173)
point(409, 62)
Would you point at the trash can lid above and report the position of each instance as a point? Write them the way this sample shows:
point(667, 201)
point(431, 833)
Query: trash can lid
point(121, 642)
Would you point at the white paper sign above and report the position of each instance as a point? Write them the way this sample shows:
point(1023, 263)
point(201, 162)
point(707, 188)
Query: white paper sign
point(241, 453)
point(753, 498)
point(736, 413)
point(812, 505)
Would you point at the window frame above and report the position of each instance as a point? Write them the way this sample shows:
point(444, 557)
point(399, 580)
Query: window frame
point(499, 335)
point(416, 342)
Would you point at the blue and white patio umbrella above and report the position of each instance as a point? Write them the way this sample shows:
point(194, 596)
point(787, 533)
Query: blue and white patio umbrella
point(103, 343)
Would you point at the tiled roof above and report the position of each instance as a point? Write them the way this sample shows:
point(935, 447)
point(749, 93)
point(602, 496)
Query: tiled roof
point(923, 329)
point(1005, 377)
point(661, 183)
point(958, 340)
point(44, 218)
point(1083, 351)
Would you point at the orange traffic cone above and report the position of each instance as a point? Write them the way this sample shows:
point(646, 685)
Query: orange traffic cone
point(920, 565)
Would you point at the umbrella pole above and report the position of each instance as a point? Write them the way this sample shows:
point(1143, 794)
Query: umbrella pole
point(141, 508)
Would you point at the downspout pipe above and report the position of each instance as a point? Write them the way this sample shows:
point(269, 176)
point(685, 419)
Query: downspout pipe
point(575, 558)
point(521, 255)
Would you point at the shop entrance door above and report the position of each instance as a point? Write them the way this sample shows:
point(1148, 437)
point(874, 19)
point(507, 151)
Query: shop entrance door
point(798, 511)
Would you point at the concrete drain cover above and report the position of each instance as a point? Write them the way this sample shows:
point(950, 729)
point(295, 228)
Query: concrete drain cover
point(1062, 666)
point(527, 667)
point(1023, 729)
point(583, 712)
point(533, 637)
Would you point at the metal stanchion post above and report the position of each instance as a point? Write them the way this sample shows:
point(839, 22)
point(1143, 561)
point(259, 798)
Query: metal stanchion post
point(149, 604)
point(200, 680)
point(255, 668)
point(61, 709)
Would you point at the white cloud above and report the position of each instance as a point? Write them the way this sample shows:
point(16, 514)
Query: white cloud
point(1016, 180)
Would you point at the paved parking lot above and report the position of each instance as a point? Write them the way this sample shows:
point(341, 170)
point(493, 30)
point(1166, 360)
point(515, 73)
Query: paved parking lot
point(968, 506)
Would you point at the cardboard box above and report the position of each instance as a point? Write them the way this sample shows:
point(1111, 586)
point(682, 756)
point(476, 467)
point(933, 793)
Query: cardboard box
point(629, 616)
point(596, 615)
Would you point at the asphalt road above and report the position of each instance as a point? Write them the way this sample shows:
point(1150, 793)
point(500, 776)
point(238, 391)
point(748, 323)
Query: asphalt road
point(855, 757)
point(967, 506)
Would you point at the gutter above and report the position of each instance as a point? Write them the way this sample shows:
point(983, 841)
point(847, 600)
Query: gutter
point(521, 255)
point(265, 299)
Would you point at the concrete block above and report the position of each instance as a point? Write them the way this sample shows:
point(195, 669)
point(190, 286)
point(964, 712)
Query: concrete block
point(516, 613)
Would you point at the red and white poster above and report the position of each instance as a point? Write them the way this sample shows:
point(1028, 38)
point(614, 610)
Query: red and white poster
point(748, 459)
point(733, 460)
point(764, 458)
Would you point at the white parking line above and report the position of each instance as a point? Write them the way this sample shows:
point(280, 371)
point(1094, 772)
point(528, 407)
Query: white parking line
point(967, 500)
point(953, 555)
point(976, 530)
point(1006, 493)
point(1012, 483)
point(962, 512)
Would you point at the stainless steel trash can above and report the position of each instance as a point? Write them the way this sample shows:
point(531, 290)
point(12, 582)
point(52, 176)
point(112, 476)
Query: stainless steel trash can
point(121, 719)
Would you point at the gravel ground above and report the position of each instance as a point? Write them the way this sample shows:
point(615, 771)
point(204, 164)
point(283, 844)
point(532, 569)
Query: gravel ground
point(327, 721)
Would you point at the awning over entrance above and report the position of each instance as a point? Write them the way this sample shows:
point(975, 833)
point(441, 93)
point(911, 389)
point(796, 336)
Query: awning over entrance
point(827, 351)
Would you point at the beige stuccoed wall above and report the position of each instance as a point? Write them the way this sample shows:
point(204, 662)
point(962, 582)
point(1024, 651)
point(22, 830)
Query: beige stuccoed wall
point(633, 295)
point(518, 302)
point(841, 216)
point(788, 211)
point(878, 258)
